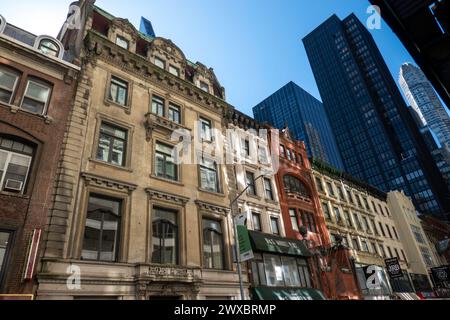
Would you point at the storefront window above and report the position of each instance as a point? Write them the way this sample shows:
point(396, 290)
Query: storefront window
point(290, 271)
point(274, 271)
point(284, 271)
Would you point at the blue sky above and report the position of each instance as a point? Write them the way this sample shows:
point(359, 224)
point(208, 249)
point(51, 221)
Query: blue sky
point(254, 46)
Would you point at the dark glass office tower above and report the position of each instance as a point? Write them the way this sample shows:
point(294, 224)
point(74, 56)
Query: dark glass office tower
point(376, 137)
point(306, 119)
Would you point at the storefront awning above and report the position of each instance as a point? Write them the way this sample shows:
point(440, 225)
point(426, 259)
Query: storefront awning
point(264, 293)
point(407, 296)
point(273, 244)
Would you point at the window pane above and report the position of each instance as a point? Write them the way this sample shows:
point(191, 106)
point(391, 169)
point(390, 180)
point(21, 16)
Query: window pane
point(290, 271)
point(174, 71)
point(274, 224)
point(256, 222)
point(174, 114)
point(274, 271)
point(118, 152)
point(37, 92)
point(217, 250)
point(7, 80)
point(212, 244)
point(294, 221)
point(4, 242)
point(121, 42)
point(158, 106)
point(103, 148)
point(160, 63)
point(165, 237)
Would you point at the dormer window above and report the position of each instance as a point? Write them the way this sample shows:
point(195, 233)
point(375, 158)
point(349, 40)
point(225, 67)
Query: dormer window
point(204, 86)
point(122, 42)
point(160, 63)
point(49, 47)
point(174, 70)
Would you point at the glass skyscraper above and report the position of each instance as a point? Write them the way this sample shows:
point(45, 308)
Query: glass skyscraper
point(306, 118)
point(375, 133)
point(421, 96)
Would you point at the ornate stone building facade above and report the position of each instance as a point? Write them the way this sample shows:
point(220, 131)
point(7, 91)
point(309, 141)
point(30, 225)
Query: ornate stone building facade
point(37, 85)
point(129, 221)
point(359, 214)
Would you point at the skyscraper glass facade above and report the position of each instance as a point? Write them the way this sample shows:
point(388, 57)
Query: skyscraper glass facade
point(421, 96)
point(306, 118)
point(374, 131)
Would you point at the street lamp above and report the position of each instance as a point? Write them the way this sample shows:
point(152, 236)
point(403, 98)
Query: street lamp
point(236, 240)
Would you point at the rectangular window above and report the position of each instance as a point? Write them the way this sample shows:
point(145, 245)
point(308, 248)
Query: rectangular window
point(355, 244)
point(101, 233)
point(294, 219)
point(174, 113)
point(8, 83)
point(258, 271)
point(112, 144)
point(275, 225)
point(374, 226)
point(160, 63)
point(282, 151)
point(389, 231)
point(118, 92)
point(357, 221)
point(365, 246)
point(213, 253)
point(395, 232)
point(348, 219)
point(15, 163)
point(303, 270)
point(5, 247)
point(209, 179)
point(274, 270)
point(36, 97)
point(165, 166)
point(165, 237)
point(341, 193)
point(250, 179)
point(290, 272)
point(256, 219)
point(174, 70)
point(330, 189)
point(337, 214)
point(390, 252)
point(326, 211)
point(268, 189)
point(382, 229)
point(289, 154)
point(158, 106)
point(204, 86)
point(319, 184)
point(122, 42)
point(308, 221)
point(205, 129)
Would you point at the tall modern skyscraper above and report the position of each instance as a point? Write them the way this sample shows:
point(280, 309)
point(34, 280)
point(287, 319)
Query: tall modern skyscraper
point(306, 119)
point(375, 132)
point(421, 96)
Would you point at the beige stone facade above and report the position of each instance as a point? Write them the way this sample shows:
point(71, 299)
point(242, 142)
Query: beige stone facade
point(360, 214)
point(116, 177)
point(422, 256)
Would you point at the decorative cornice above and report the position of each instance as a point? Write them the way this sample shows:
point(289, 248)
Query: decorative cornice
point(100, 47)
point(154, 122)
point(206, 206)
point(165, 196)
point(107, 182)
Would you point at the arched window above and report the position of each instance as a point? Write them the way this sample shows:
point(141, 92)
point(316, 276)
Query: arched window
point(15, 163)
point(165, 237)
point(49, 47)
point(2, 24)
point(294, 185)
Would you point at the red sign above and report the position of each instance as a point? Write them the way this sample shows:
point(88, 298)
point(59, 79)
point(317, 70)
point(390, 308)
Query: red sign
point(32, 254)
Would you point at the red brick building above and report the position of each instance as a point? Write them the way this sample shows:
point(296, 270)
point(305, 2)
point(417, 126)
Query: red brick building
point(36, 90)
point(330, 265)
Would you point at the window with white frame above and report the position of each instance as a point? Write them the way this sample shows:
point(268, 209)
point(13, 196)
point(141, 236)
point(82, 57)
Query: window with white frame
point(36, 97)
point(15, 162)
point(122, 42)
point(160, 63)
point(174, 113)
point(209, 178)
point(112, 144)
point(49, 47)
point(8, 84)
point(158, 106)
point(118, 92)
point(205, 129)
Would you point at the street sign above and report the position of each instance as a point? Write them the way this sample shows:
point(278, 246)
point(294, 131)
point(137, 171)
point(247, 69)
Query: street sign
point(245, 246)
point(393, 268)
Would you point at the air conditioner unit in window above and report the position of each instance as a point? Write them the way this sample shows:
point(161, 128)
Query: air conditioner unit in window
point(14, 185)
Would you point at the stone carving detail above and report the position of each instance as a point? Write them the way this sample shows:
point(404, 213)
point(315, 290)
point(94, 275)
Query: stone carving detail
point(154, 122)
point(165, 196)
point(212, 208)
point(108, 183)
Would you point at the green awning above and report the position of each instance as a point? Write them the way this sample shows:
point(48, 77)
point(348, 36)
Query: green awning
point(270, 243)
point(265, 293)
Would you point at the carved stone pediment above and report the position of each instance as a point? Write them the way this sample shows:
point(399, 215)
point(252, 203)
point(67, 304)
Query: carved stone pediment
point(154, 122)
point(165, 196)
point(168, 49)
point(92, 179)
point(125, 25)
point(205, 206)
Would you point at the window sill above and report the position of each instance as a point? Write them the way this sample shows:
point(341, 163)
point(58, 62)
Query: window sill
point(107, 164)
point(15, 195)
point(220, 194)
point(125, 108)
point(167, 180)
point(253, 196)
point(14, 109)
